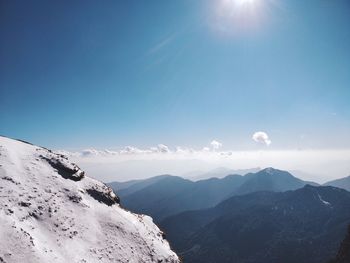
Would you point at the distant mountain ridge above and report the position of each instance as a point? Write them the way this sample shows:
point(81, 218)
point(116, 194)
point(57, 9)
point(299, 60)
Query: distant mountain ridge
point(132, 186)
point(219, 172)
point(271, 179)
point(166, 195)
point(343, 183)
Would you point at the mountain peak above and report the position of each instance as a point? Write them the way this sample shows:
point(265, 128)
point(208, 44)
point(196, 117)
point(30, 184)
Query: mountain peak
point(273, 171)
point(269, 170)
point(51, 212)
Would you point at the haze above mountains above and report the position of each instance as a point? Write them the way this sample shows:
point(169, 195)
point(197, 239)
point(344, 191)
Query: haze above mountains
point(133, 163)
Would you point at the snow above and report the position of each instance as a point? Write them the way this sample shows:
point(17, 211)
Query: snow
point(51, 212)
point(323, 201)
point(269, 170)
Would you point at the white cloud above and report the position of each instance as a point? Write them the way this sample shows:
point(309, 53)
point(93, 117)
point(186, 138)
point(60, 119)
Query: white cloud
point(160, 149)
point(163, 148)
point(216, 145)
point(183, 150)
point(131, 150)
point(262, 138)
point(127, 150)
point(89, 152)
point(206, 149)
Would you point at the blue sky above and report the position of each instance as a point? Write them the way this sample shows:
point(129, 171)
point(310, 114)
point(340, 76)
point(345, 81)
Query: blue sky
point(115, 73)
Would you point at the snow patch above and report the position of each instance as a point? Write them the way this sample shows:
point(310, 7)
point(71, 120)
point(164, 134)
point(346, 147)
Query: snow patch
point(323, 201)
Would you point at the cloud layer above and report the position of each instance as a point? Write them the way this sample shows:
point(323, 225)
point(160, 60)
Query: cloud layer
point(322, 165)
point(135, 163)
point(161, 149)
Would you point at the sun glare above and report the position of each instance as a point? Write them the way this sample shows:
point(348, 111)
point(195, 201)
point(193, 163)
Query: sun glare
point(243, 2)
point(238, 16)
point(240, 4)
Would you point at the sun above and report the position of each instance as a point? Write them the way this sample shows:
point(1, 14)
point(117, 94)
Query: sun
point(244, 2)
point(240, 5)
point(237, 17)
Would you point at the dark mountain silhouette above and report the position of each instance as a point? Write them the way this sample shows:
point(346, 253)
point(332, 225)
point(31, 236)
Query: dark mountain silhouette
point(161, 196)
point(166, 195)
point(343, 183)
point(129, 187)
point(270, 179)
point(301, 226)
point(219, 172)
point(343, 255)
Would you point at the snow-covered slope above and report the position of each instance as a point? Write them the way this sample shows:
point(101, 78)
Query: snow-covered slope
point(51, 212)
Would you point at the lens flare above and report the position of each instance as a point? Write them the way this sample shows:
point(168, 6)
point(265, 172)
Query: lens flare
point(239, 16)
point(243, 2)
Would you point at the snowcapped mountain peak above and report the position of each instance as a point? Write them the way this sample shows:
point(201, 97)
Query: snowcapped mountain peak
point(51, 212)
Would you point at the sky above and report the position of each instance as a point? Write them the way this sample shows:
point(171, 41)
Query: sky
point(252, 75)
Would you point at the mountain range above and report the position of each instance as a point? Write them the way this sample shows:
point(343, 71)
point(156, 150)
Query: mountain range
point(167, 195)
point(262, 217)
point(305, 225)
